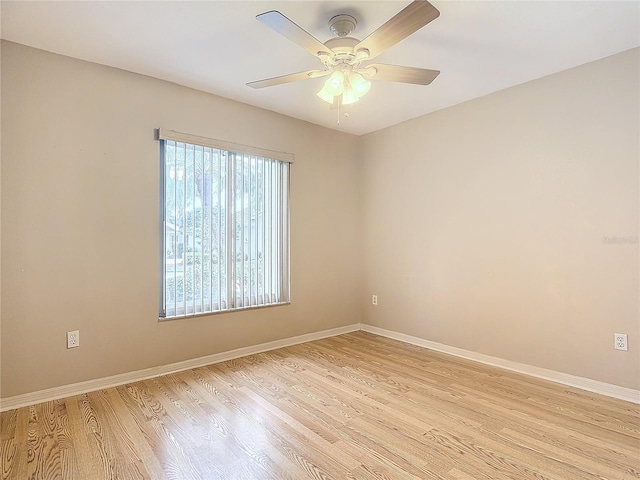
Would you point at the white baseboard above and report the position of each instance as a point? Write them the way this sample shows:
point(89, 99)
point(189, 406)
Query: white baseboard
point(64, 391)
point(595, 386)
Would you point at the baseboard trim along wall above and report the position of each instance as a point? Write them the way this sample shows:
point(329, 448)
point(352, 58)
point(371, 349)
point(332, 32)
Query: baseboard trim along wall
point(64, 391)
point(595, 386)
point(40, 396)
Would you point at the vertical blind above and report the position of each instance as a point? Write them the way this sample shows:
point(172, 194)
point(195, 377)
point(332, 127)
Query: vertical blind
point(225, 226)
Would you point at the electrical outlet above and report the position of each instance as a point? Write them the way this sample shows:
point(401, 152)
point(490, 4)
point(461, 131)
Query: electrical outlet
point(374, 299)
point(73, 339)
point(620, 341)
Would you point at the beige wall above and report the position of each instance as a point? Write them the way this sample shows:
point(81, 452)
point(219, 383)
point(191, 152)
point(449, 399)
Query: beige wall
point(479, 226)
point(483, 224)
point(80, 222)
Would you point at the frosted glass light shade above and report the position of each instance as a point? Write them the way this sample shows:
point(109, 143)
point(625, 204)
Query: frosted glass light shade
point(327, 97)
point(334, 84)
point(359, 85)
point(333, 87)
point(349, 96)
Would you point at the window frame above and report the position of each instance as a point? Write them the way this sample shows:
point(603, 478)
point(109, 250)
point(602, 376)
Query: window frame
point(231, 301)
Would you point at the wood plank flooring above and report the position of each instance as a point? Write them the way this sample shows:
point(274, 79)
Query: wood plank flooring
point(357, 406)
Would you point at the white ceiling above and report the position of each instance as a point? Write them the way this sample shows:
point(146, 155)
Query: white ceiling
point(218, 46)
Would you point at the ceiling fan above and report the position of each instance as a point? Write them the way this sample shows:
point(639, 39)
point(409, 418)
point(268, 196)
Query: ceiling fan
point(345, 59)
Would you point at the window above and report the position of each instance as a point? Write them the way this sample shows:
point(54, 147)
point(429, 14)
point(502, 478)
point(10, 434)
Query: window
point(225, 226)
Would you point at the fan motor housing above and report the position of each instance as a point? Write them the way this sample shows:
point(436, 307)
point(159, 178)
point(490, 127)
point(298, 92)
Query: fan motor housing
point(341, 44)
point(342, 48)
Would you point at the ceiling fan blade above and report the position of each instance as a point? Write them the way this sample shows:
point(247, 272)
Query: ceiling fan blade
point(292, 31)
point(412, 18)
point(396, 73)
point(292, 77)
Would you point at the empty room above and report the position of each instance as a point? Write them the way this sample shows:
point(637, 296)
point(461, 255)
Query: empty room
point(320, 240)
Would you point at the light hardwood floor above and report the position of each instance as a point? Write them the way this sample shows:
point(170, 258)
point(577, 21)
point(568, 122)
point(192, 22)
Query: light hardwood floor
point(356, 406)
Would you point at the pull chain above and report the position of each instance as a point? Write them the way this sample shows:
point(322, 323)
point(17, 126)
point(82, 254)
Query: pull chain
point(346, 112)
